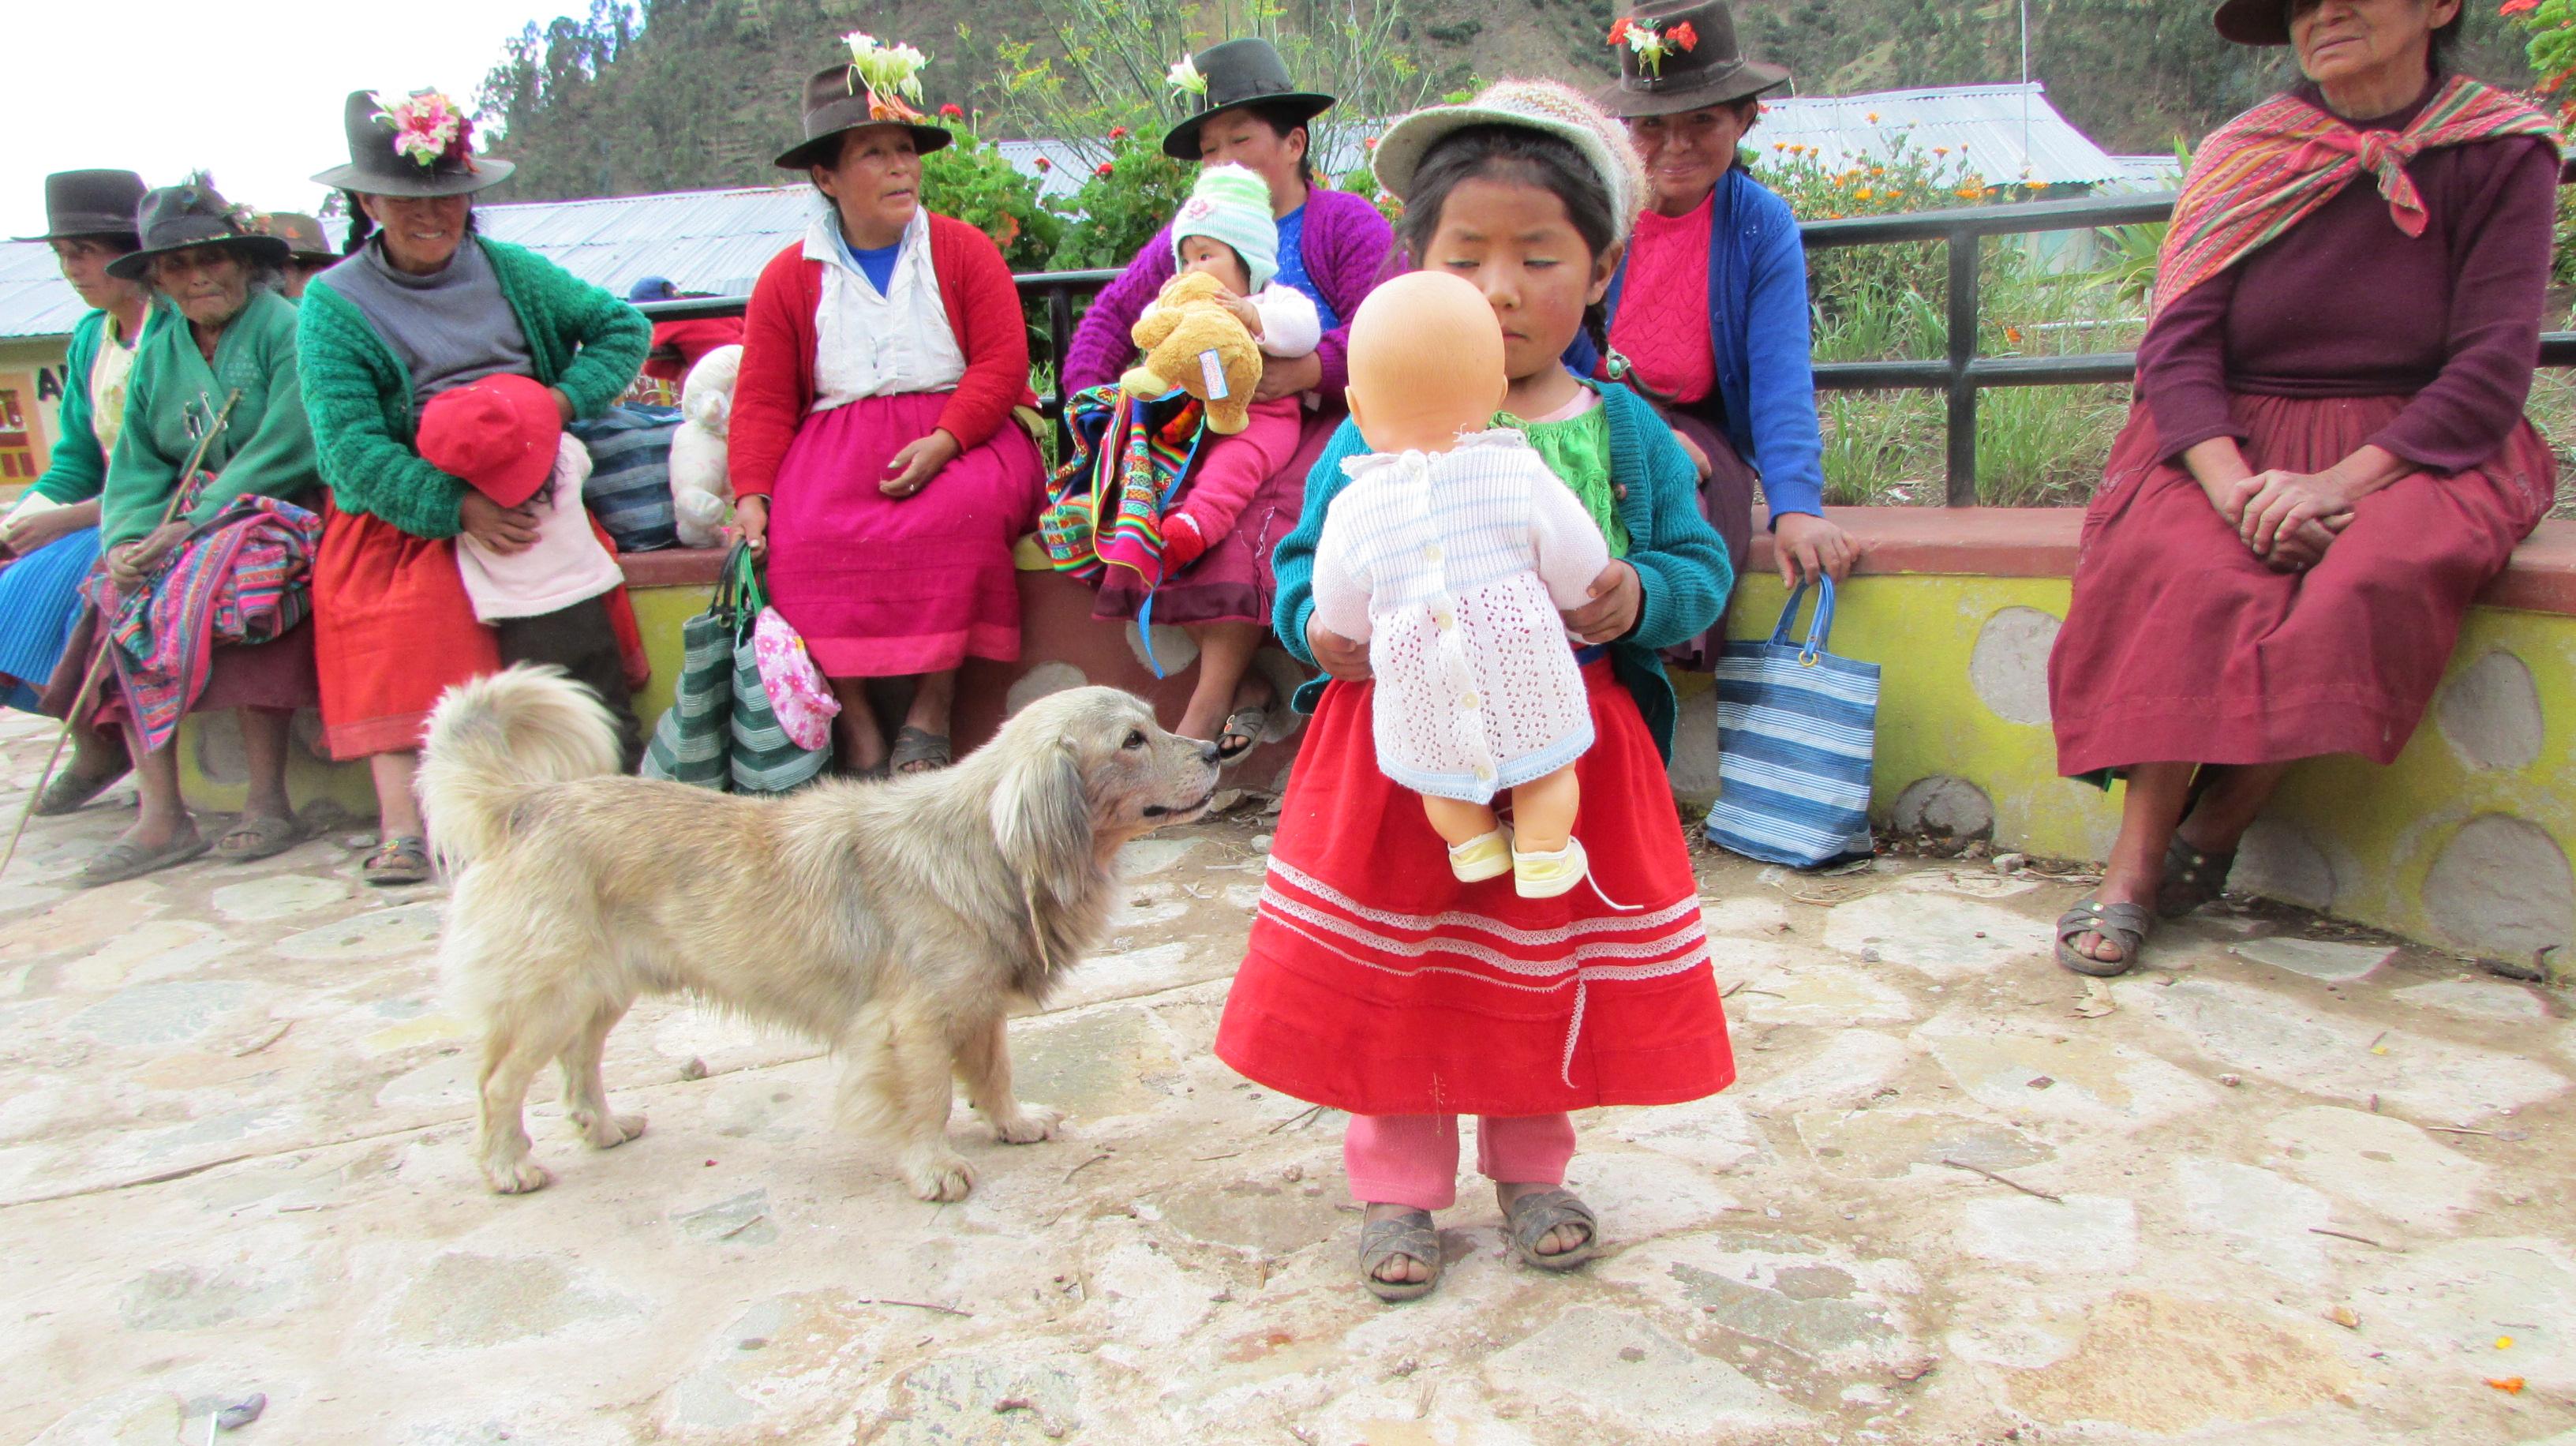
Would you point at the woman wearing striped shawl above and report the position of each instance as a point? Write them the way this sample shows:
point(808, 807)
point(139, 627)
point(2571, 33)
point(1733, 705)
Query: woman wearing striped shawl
point(2326, 458)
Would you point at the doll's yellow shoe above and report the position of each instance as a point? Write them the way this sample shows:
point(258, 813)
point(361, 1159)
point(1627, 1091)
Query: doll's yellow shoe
point(1545, 876)
point(1487, 856)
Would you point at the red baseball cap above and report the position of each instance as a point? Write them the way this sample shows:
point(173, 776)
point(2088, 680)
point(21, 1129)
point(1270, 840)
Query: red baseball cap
point(500, 434)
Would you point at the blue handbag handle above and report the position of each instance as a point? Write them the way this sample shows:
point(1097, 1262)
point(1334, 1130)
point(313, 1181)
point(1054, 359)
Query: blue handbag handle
point(1819, 632)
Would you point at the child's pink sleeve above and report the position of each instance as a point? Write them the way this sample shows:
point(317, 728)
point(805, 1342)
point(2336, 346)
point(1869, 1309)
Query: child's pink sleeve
point(1341, 595)
point(1571, 552)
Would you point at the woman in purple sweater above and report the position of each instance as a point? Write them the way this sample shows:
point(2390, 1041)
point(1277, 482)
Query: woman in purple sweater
point(1333, 246)
point(2327, 457)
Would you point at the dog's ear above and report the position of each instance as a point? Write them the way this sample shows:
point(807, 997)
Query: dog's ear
point(1042, 818)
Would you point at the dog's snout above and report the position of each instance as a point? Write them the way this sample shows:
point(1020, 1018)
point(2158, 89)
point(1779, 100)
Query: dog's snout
point(1208, 752)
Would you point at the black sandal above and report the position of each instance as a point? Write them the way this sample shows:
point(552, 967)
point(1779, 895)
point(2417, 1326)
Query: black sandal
point(2126, 926)
point(1531, 1216)
point(2192, 878)
point(1410, 1235)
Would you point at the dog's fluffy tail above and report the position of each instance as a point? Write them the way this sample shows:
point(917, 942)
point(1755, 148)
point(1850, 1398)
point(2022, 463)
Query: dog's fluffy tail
point(493, 738)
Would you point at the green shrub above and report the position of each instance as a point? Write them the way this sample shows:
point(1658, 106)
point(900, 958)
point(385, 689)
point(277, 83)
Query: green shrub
point(969, 180)
point(1123, 203)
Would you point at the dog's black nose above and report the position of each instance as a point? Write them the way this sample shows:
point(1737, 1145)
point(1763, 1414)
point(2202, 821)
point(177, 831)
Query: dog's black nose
point(1209, 753)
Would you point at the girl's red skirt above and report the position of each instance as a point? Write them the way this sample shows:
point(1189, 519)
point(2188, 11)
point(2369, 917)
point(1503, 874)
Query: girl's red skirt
point(393, 629)
point(2181, 646)
point(1376, 983)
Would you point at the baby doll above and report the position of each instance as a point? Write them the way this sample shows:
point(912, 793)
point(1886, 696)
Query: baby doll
point(1450, 553)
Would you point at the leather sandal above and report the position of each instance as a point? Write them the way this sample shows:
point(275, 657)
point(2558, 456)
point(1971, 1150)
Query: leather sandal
point(1530, 1217)
point(2192, 878)
point(918, 750)
point(1245, 725)
point(2125, 925)
point(402, 859)
point(263, 838)
point(1410, 1235)
point(69, 792)
point(121, 860)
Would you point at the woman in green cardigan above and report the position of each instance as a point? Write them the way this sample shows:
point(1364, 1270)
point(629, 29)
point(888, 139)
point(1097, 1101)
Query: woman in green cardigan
point(50, 539)
point(234, 341)
point(420, 306)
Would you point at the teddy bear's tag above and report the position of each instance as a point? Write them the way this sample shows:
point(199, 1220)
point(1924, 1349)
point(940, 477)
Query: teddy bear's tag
point(1214, 371)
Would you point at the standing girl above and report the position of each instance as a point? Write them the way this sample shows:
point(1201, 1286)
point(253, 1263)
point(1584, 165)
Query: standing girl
point(1375, 981)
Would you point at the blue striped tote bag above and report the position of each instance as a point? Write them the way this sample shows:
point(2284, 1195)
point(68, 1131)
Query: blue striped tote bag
point(1796, 731)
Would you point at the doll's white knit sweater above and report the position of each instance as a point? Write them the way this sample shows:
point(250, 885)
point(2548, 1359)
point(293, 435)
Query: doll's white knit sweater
point(1452, 567)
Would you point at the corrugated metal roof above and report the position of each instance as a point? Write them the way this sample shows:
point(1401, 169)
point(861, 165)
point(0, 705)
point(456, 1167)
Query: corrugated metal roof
point(2003, 133)
point(34, 298)
point(709, 241)
point(1341, 149)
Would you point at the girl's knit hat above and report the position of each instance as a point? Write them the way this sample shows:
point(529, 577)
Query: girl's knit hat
point(1540, 105)
point(1231, 204)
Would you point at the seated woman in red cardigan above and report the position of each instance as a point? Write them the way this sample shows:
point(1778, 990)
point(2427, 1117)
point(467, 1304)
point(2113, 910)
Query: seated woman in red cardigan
point(874, 455)
point(2327, 458)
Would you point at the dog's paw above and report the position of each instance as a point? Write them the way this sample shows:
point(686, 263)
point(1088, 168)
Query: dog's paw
point(607, 1132)
point(940, 1177)
point(1028, 1125)
point(517, 1177)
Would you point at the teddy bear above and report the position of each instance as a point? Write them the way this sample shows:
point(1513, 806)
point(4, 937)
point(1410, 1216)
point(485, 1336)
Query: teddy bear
point(1185, 327)
point(701, 493)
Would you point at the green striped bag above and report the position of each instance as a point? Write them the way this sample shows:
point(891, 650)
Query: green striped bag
point(719, 732)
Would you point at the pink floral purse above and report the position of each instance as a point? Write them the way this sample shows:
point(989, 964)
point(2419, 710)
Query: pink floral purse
point(797, 693)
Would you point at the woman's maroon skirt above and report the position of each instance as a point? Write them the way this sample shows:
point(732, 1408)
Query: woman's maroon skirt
point(884, 587)
point(1232, 581)
point(2182, 646)
point(1375, 982)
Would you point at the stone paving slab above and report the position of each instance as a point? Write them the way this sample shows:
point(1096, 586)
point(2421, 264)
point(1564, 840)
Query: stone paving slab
point(2269, 1189)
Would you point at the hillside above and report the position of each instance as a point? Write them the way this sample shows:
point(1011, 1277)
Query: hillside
point(680, 94)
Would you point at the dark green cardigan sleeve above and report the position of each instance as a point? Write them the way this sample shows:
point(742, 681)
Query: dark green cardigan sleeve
point(584, 341)
point(1682, 567)
point(359, 399)
point(78, 470)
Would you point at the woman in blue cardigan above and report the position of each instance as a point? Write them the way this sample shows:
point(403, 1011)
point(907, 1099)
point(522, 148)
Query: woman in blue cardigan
point(1709, 309)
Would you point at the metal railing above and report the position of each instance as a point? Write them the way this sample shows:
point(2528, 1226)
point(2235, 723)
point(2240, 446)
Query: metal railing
point(1960, 374)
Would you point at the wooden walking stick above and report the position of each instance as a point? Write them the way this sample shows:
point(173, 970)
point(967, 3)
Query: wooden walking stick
point(97, 673)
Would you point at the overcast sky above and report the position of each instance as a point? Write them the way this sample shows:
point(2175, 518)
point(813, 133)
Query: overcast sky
point(163, 88)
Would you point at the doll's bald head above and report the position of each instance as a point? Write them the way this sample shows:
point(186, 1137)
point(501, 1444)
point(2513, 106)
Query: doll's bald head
point(1426, 363)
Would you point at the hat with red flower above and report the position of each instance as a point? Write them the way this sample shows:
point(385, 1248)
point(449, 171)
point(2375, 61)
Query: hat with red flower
point(1681, 55)
point(421, 144)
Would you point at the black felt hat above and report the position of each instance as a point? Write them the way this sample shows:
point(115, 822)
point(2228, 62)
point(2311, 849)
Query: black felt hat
point(1711, 70)
point(89, 203)
point(1241, 75)
point(377, 167)
point(837, 100)
point(175, 218)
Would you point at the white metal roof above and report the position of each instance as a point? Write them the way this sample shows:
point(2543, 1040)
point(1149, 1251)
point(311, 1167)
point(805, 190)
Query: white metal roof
point(2006, 134)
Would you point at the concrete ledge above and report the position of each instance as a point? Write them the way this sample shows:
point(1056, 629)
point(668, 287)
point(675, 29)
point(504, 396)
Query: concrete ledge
point(2041, 542)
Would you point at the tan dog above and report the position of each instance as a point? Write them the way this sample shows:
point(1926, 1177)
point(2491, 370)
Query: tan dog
point(893, 922)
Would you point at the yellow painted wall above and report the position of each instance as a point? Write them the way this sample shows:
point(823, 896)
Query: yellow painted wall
point(31, 384)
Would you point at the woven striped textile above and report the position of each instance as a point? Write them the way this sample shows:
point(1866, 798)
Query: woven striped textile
point(242, 577)
point(1126, 465)
point(1797, 732)
point(2266, 170)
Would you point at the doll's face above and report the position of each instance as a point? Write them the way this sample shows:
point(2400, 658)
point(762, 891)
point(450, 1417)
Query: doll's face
point(1208, 255)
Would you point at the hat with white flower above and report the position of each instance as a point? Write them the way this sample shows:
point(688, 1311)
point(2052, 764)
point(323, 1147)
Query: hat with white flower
point(421, 144)
point(1237, 75)
point(876, 88)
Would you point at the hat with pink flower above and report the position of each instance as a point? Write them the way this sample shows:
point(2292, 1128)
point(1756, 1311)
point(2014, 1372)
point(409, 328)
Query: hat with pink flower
point(421, 144)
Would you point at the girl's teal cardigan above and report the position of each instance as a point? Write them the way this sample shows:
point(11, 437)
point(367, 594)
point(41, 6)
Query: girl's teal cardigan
point(1681, 564)
point(584, 341)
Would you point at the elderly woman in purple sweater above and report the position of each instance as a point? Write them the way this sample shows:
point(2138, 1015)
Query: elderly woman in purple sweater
point(1333, 246)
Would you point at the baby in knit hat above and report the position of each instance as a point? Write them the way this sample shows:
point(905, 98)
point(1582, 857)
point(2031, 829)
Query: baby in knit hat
point(1226, 230)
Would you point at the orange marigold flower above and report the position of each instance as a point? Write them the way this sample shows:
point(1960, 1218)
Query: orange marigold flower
point(1940, 150)
point(2013, 334)
point(1863, 194)
point(2510, 1385)
point(1873, 117)
point(1619, 31)
point(1684, 36)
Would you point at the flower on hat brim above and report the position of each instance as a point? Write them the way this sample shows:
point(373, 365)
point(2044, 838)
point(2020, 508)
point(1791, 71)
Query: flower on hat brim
point(1652, 45)
point(428, 128)
point(1184, 76)
point(891, 73)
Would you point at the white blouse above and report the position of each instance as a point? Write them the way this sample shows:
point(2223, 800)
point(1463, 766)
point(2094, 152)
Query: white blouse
point(1452, 567)
point(869, 343)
